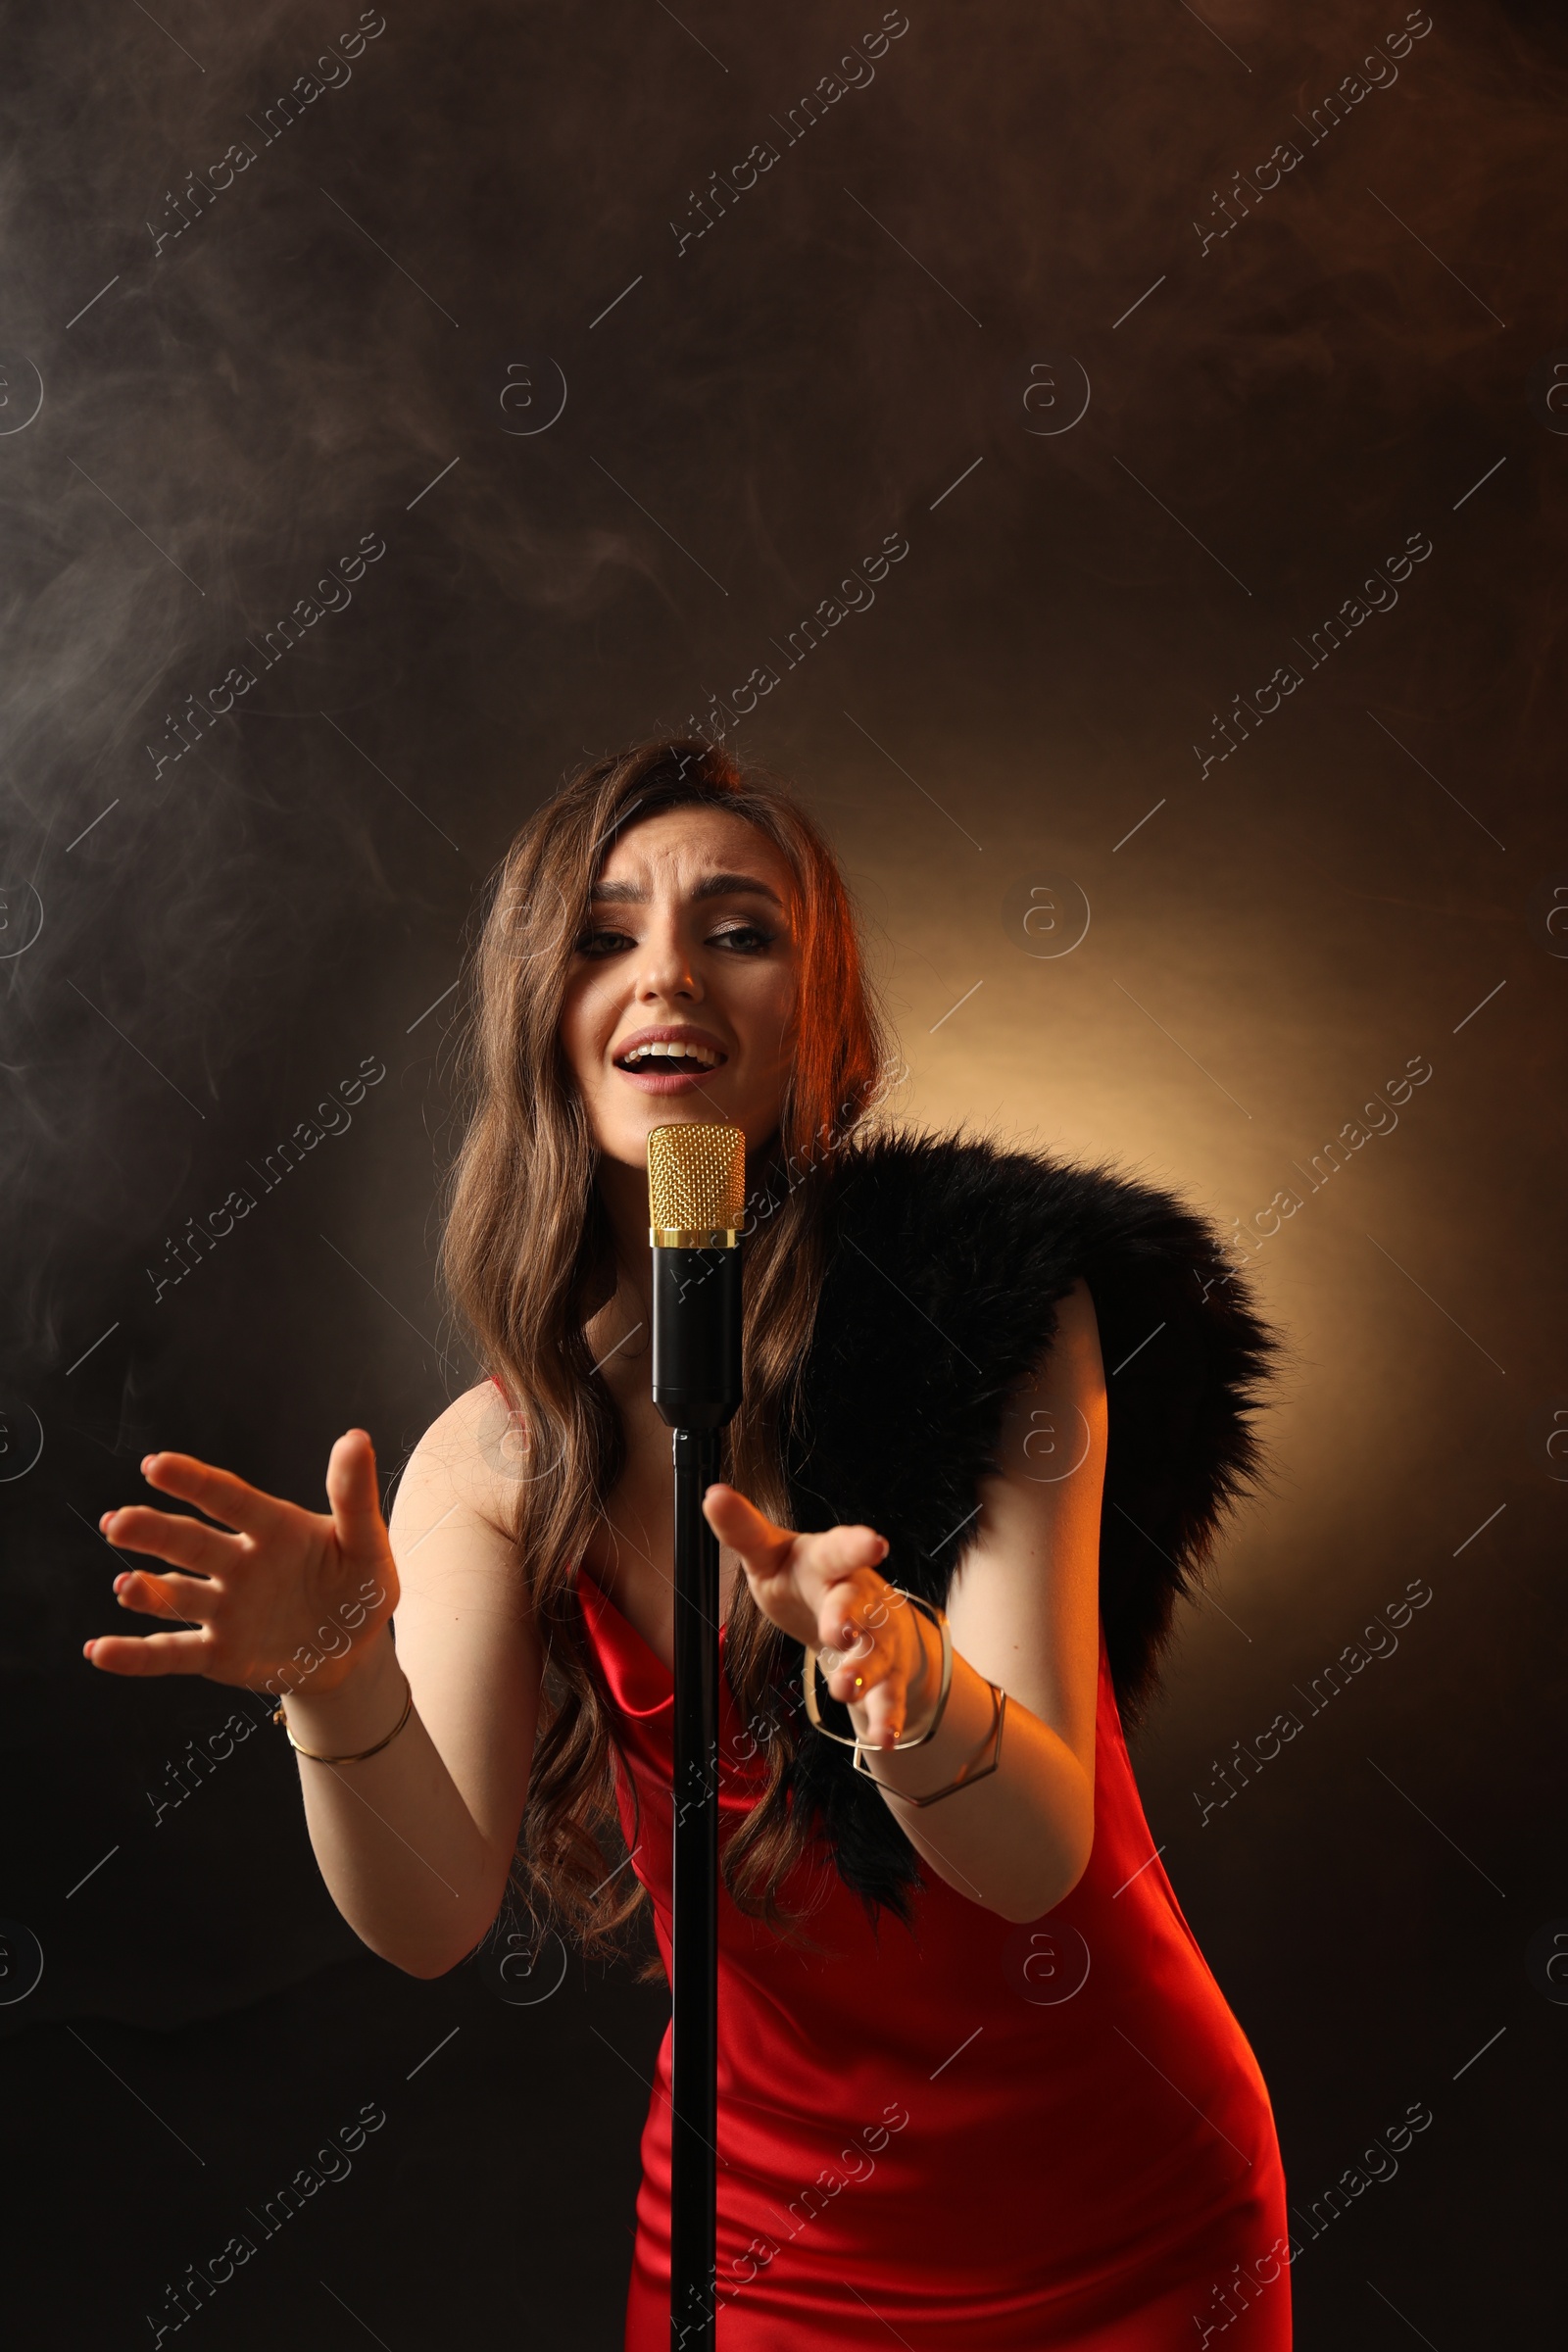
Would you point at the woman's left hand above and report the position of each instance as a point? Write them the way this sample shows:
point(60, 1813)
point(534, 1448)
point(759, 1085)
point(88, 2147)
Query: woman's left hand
point(826, 1591)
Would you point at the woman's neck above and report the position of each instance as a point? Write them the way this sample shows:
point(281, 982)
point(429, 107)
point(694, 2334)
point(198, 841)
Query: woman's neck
point(623, 1195)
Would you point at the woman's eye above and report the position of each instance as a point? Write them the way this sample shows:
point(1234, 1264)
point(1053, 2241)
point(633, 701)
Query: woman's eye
point(738, 939)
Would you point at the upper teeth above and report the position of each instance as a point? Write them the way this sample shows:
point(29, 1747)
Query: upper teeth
point(676, 1052)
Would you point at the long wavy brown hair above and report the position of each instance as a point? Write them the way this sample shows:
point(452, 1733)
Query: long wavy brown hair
point(527, 1258)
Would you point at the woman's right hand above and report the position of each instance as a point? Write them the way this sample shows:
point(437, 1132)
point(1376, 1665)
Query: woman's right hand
point(282, 1603)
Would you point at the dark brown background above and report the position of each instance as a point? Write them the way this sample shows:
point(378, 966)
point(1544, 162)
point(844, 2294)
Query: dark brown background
point(323, 354)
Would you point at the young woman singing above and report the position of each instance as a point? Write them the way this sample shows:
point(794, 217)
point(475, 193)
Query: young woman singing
point(978, 2086)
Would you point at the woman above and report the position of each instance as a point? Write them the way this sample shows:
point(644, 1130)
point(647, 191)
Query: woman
point(977, 2085)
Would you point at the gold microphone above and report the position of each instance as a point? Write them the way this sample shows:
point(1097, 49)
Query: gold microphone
point(696, 1186)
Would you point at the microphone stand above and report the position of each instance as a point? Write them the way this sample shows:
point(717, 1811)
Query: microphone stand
point(694, 1989)
point(697, 1387)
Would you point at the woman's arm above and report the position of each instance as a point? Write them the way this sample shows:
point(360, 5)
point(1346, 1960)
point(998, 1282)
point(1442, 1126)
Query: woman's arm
point(415, 1842)
point(1023, 1613)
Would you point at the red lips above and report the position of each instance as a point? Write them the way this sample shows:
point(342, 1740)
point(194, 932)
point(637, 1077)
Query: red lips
point(659, 1076)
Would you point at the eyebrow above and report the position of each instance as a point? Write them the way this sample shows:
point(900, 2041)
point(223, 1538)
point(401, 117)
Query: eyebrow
point(712, 886)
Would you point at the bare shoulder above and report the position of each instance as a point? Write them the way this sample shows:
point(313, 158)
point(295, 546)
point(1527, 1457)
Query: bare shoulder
point(1073, 1357)
point(464, 1463)
point(1076, 1319)
point(451, 1523)
point(1065, 1384)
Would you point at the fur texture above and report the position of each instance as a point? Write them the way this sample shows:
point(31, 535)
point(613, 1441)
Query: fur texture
point(948, 1260)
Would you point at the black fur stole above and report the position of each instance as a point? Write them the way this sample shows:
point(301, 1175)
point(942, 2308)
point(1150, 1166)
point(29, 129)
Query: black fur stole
point(947, 1261)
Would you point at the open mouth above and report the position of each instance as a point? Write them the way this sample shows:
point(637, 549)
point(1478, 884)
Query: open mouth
point(669, 1061)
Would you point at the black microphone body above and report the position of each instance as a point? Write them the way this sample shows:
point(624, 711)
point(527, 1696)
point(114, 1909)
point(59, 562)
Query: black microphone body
point(697, 1337)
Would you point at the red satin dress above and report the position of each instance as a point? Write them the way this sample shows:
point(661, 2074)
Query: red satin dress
point(977, 2137)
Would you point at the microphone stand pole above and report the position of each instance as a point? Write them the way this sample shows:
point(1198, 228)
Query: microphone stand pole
point(696, 1195)
point(692, 2252)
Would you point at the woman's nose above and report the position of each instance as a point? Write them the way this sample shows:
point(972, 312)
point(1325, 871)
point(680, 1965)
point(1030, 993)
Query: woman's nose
point(667, 967)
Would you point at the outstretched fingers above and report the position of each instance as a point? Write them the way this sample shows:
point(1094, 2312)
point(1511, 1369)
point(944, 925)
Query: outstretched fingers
point(765, 1548)
point(827, 1592)
point(146, 1654)
point(199, 1555)
point(839, 1553)
point(352, 1493)
point(185, 1600)
point(862, 1634)
point(219, 1492)
point(170, 1536)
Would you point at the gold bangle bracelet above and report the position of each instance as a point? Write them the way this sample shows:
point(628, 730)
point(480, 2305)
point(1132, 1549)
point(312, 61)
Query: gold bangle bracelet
point(360, 1755)
point(974, 1771)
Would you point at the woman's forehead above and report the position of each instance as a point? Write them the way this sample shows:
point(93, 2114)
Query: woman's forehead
point(683, 849)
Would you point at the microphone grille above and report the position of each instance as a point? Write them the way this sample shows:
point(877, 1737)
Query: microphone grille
point(696, 1177)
